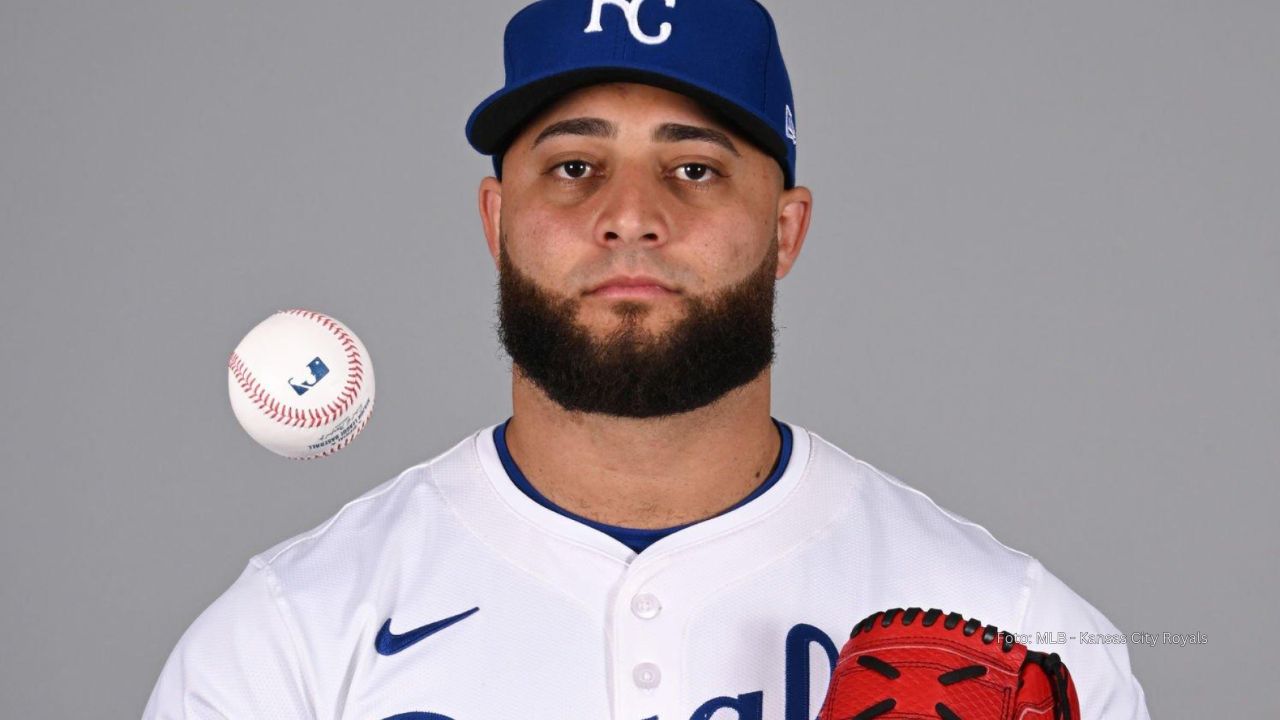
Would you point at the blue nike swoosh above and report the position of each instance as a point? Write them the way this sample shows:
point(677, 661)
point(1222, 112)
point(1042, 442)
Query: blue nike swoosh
point(388, 643)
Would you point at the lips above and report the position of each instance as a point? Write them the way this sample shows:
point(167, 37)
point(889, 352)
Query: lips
point(631, 285)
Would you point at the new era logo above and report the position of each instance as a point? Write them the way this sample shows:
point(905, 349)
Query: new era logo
point(631, 8)
point(791, 126)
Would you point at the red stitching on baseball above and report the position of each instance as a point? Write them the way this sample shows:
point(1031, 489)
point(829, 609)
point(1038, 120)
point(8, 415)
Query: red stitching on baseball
point(368, 413)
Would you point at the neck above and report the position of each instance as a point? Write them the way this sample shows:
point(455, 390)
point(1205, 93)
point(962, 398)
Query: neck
point(650, 473)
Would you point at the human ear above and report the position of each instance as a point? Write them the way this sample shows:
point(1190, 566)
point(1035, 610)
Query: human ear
point(795, 209)
point(490, 201)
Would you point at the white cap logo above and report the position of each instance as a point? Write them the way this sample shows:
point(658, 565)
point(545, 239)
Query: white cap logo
point(631, 8)
point(791, 126)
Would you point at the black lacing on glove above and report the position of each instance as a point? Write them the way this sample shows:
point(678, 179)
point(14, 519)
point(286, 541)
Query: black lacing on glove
point(1050, 662)
point(1057, 672)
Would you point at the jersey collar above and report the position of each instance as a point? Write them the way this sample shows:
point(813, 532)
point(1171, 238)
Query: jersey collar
point(504, 498)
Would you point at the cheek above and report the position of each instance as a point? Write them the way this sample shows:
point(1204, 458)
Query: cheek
point(725, 246)
point(544, 245)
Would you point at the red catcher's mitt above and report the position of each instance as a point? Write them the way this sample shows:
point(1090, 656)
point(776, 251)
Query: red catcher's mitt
point(907, 664)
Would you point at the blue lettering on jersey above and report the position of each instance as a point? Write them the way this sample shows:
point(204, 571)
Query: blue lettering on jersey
point(748, 706)
point(796, 686)
point(798, 671)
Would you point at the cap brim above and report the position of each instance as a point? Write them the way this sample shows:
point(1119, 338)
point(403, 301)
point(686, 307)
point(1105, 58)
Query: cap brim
point(496, 122)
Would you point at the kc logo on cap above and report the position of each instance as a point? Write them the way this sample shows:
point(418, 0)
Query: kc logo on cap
point(632, 10)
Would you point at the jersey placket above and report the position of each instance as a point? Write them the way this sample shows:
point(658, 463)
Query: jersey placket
point(644, 649)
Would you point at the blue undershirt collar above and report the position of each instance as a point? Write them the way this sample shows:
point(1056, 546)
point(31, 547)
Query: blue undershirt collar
point(636, 539)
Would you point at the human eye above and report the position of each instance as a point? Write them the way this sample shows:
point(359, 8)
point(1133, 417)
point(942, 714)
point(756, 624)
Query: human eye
point(572, 169)
point(699, 173)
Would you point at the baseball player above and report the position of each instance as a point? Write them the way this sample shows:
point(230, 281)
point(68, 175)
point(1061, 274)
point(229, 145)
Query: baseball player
point(640, 539)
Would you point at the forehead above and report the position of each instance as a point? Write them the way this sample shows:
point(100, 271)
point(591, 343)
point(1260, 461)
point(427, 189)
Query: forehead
point(627, 105)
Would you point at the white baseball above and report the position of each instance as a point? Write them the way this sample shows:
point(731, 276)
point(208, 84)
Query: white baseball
point(301, 384)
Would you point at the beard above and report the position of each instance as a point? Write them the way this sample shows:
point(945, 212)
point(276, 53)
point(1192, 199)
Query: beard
point(723, 341)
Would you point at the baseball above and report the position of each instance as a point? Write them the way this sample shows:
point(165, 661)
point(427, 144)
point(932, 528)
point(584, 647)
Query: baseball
point(301, 384)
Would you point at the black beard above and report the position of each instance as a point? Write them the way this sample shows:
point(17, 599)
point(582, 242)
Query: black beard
point(723, 342)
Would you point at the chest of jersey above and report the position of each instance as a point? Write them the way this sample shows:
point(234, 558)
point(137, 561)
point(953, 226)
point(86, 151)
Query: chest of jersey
point(483, 605)
point(514, 647)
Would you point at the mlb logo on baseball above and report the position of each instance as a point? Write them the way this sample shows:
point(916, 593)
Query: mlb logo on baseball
point(318, 371)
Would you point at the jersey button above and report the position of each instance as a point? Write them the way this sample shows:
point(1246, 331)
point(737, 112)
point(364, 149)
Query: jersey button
point(647, 676)
point(646, 606)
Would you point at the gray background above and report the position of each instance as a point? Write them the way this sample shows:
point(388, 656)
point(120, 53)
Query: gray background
point(1042, 285)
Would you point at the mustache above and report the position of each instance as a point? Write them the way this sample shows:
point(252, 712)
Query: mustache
point(633, 265)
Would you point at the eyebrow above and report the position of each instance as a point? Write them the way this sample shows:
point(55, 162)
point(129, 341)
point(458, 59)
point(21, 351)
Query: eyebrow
point(675, 132)
point(667, 132)
point(590, 127)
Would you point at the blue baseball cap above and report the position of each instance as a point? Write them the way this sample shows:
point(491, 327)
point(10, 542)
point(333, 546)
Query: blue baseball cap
point(722, 53)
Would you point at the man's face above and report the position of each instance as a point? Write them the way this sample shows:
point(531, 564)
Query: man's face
point(622, 182)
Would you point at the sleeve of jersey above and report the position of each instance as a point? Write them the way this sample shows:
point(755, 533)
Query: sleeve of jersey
point(237, 660)
point(1059, 620)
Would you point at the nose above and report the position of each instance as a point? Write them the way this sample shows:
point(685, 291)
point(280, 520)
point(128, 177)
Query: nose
point(631, 210)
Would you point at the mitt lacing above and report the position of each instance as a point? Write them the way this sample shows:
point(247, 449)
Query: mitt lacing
point(1050, 662)
point(1057, 672)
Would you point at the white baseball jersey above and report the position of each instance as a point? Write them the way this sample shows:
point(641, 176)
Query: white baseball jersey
point(448, 594)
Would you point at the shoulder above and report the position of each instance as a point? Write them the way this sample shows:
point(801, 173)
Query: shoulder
point(909, 521)
point(899, 548)
point(349, 543)
point(293, 602)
